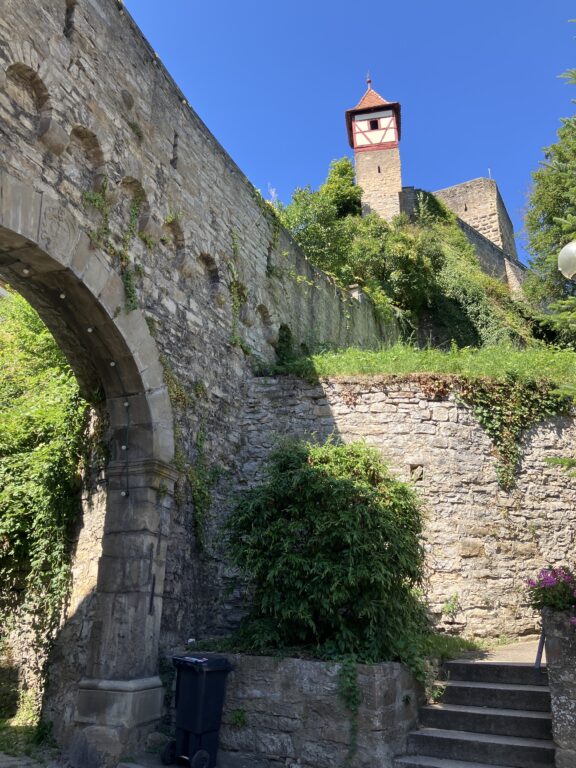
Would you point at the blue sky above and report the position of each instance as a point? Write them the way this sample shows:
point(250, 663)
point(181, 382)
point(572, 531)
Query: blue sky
point(478, 82)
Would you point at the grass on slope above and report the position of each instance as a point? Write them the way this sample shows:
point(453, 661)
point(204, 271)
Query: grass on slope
point(537, 362)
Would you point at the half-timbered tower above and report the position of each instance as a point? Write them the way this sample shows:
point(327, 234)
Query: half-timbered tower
point(374, 134)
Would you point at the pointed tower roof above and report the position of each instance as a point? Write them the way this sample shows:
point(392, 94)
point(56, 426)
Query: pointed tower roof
point(371, 99)
point(371, 102)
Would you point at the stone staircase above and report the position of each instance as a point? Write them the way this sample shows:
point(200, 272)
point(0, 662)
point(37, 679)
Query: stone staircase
point(490, 715)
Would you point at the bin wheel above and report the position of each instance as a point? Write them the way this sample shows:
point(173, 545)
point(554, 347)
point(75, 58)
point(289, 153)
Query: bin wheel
point(201, 759)
point(168, 755)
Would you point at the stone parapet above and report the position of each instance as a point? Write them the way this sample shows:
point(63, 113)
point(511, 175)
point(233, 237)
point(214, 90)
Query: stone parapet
point(288, 712)
point(561, 659)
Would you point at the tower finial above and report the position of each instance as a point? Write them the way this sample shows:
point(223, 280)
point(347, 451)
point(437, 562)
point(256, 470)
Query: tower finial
point(368, 80)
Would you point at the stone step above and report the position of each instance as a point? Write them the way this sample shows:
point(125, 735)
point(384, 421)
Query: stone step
point(511, 751)
point(496, 672)
point(421, 761)
point(501, 695)
point(132, 765)
point(490, 720)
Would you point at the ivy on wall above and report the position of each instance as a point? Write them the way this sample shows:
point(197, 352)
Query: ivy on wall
point(506, 409)
point(101, 237)
point(42, 425)
point(197, 476)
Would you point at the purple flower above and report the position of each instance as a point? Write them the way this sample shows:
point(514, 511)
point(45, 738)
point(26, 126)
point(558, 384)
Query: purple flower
point(573, 621)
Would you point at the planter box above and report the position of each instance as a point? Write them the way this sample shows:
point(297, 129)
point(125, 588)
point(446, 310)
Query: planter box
point(286, 712)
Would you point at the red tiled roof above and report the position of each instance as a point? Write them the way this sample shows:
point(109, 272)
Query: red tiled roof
point(371, 99)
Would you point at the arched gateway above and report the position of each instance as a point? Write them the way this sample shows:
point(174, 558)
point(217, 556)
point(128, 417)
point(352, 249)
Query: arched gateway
point(120, 217)
point(50, 261)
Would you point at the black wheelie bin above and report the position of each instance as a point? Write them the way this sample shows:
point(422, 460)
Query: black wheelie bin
point(200, 688)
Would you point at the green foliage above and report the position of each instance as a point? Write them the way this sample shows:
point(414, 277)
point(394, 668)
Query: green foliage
point(136, 129)
point(238, 296)
point(553, 588)
point(238, 718)
point(442, 647)
point(424, 272)
point(351, 696)
point(402, 359)
point(551, 216)
point(42, 422)
point(201, 478)
point(506, 409)
point(130, 292)
point(567, 464)
point(397, 262)
point(452, 606)
point(331, 544)
point(469, 306)
point(101, 238)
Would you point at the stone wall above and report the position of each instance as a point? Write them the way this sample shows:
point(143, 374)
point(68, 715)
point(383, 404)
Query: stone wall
point(482, 542)
point(86, 107)
point(493, 259)
point(478, 203)
point(287, 712)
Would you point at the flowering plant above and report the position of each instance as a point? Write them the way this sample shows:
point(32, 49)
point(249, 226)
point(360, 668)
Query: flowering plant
point(553, 588)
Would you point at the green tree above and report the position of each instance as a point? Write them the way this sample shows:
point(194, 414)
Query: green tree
point(397, 263)
point(551, 215)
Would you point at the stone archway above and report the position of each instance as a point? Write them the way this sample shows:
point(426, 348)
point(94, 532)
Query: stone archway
point(47, 258)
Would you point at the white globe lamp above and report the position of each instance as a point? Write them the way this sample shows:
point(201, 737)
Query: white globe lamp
point(567, 260)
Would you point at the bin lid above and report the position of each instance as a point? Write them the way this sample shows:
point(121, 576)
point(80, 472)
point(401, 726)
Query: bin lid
point(201, 663)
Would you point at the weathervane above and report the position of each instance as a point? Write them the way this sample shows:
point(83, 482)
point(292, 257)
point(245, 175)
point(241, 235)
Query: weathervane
point(368, 80)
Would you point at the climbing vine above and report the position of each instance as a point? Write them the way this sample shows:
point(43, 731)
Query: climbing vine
point(101, 238)
point(238, 296)
point(201, 478)
point(350, 695)
point(506, 409)
point(197, 477)
point(42, 439)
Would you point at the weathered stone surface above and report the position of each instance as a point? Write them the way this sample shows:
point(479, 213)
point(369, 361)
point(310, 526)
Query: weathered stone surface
point(96, 747)
point(287, 712)
point(94, 110)
point(561, 660)
point(482, 543)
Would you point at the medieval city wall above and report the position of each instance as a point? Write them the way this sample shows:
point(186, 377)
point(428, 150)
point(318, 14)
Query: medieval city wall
point(479, 204)
point(482, 542)
point(493, 260)
point(106, 168)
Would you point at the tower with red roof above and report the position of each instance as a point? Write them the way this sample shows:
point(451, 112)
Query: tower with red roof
point(374, 133)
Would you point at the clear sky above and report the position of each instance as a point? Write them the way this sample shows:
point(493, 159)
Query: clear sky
point(478, 82)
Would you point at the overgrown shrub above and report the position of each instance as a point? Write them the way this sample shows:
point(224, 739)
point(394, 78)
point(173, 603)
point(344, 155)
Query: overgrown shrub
point(424, 271)
point(331, 544)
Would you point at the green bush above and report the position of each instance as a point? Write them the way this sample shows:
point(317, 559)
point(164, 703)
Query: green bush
point(424, 272)
point(331, 545)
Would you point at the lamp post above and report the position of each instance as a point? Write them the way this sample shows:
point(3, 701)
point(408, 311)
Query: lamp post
point(567, 261)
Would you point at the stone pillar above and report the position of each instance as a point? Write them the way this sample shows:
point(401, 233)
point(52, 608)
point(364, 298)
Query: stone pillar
point(121, 692)
point(561, 658)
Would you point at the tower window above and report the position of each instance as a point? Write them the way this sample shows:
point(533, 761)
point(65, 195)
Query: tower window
point(373, 125)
